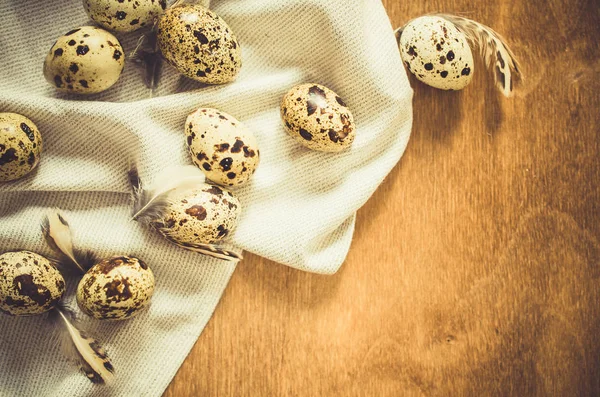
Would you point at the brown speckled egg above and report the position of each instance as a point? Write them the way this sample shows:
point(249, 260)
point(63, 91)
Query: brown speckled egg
point(203, 215)
point(20, 146)
point(317, 118)
point(221, 146)
point(437, 53)
point(124, 15)
point(29, 284)
point(86, 60)
point(199, 44)
point(116, 288)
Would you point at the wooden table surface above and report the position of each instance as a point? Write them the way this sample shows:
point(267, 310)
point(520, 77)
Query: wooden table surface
point(475, 268)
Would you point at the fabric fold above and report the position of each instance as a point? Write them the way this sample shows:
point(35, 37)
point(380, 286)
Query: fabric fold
point(299, 208)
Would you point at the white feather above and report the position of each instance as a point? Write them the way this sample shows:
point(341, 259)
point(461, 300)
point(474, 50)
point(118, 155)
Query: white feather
point(92, 359)
point(496, 54)
point(58, 235)
point(150, 200)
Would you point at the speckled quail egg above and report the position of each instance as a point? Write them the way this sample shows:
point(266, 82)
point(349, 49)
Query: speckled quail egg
point(221, 146)
point(203, 215)
point(317, 118)
point(29, 284)
point(199, 44)
point(437, 53)
point(124, 15)
point(20, 146)
point(86, 60)
point(116, 288)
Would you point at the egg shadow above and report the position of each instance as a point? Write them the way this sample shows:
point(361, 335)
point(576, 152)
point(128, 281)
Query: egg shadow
point(436, 113)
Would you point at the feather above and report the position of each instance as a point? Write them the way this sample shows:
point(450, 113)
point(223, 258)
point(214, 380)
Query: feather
point(496, 54)
point(58, 236)
point(150, 202)
point(147, 55)
point(82, 349)
point(205, 249)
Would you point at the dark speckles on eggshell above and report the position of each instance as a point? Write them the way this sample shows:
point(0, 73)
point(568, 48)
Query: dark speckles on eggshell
point(72, 43)
point(201, 37)
point(226, 163)
point(237, 146)
point(28, 131)
point(8, 156)
point(305, 134)
point(197, 211)
point(82, 49)
point(70, 32)
point(117, 55)
point(121, 15)
point(58, 52)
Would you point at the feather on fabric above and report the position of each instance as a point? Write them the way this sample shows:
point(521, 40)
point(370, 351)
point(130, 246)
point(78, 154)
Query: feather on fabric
point(58, 236)
point(149, 202)
point(83, 350)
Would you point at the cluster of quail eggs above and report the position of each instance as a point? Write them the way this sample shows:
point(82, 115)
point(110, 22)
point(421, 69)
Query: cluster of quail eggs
point(114, 288)
point(195, 40)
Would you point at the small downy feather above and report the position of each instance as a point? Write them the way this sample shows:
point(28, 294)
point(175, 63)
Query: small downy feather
point(498, 57)
point(206, 249)
point(147, 55)
point(58, 236)
point(81, 349)
point(150, 202)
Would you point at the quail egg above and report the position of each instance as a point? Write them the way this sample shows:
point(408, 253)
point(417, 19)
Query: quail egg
point(124, 15)
point(317, 118)
point(203, 215)
point(221, 146)
point(199, 44)
point(86, 60)
point(116, 288)
point(437, 53)
point(20, 146)
point(29, 284)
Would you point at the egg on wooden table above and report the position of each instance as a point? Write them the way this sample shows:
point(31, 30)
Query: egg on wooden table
point(116, 288)
point(29, 284)
point(86, 60)
point(437, 53)
point(124, 15)
point(221, 146)
point(20, 146)
point(318, 118)
point(199, 44)
point(203, 215)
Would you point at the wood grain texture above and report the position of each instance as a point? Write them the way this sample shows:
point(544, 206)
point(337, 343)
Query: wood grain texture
point(475, 267)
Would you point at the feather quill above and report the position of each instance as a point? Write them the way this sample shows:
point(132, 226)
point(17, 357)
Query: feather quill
point(58, 236)
point(150, 202)
point(498, 57)
point(83, 350)
point(205, 249)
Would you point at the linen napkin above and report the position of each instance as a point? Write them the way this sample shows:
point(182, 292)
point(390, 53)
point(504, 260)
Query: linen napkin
point(299, 208)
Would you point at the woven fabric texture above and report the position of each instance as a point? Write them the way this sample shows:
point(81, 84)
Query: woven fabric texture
point(299, 208)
